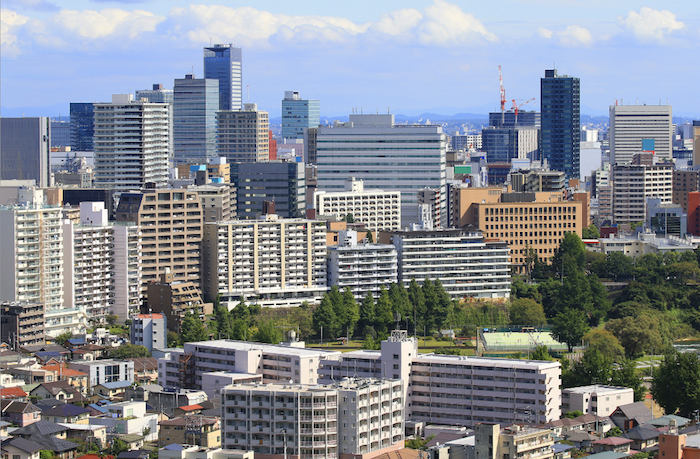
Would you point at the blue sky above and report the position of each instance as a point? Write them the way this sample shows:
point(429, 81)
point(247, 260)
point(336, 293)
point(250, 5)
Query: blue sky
point(405, 56)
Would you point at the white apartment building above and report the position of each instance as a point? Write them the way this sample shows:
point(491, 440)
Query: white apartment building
point(384, 155)
point(630, 124)
point(599, 400)
point(645, 243)
point(150, 331)
point(104, 278)
point(362, 267)
point(633, 184)
point(354, 417)
point(105, 371)
point(132, 143)
point(377, 209)
point(31, 262)
point(466, 263)
point(176, 451)
point(276, 262)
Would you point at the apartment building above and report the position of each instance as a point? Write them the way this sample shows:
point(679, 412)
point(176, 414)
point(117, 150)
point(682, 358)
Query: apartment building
point(600, 400)
point(22, 324)
point(276, 262)
point(218, 201)
point(354, 418)
point(171, 231)
point(243, 135)
point(467, 264)
point(362, 267)
point(149, 330)
point(684, 182)
point(175, 299)
point(514, 441)
point(175, 451)
point(634, 184)
point(105, 371)
point(377, 209)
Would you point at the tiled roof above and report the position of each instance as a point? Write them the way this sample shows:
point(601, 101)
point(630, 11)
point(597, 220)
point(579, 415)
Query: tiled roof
point(612, 441)
point(12, 392)
point(66, 409)
point(191, 407)
point(27, 446)
point(40, 428)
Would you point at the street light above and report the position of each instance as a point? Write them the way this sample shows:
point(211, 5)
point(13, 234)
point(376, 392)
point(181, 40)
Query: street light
point(284, 440)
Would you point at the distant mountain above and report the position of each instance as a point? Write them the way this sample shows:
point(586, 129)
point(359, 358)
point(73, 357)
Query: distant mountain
point(52, 111)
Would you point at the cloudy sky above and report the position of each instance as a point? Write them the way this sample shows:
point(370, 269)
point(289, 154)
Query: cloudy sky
point(407, 56)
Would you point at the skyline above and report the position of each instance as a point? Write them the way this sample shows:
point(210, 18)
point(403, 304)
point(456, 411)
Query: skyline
point(407, 56)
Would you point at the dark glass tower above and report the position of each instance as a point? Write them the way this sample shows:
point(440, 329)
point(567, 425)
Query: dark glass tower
point(561, 122)
point(82, 126)
point(224, 63)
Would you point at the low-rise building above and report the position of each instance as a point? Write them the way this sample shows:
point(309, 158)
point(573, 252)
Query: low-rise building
point(176, 451)
point(191, 430)
point(164, 401)
point(644, 243)
point(128, 418)
point(149, 330)
point(104, 371)
point(19, 448)
point(514, 441)
point(20, 413)
point(600, 400)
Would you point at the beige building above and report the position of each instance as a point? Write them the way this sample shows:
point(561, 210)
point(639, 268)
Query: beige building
point(634, 184)
point(243, 135)
point(525, 221)
point(218, 201)
point(202, 431)
point(175, 299)
point(218, 170)
point(513, 442)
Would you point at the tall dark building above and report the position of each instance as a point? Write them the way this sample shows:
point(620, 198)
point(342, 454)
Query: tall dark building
point(82, 126)
point(561, 122)
point(281, 182)
point(224, 63)
point(24, 149)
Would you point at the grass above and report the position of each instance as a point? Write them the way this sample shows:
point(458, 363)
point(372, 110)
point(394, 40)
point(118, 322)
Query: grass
point(425, 346)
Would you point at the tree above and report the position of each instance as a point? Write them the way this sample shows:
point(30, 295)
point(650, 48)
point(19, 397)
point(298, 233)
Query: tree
point(569, 327)
point(371, 344)
point(325, 318)
point(349, 218)
point(549, 289)
point(348, 313)
point(571, 245)
point(676, 384)
point(593, 368)
point(173, 339)
point(599, 305)
point(572, 414)
point(399, 301)
point(127, 351)
point(430, 303)
point(192, 329)
point(417, 300)
point(443, 305)
point(370, 237)
point(614, 432)
point(575, 292)
point(605, 342)
point(637, 335)
point(118, 446)
point(519, 289)
point(239, 330)
point(626, 375)
point(540, 353)
point(112, 319)
point(366, 312)
point(63, 338)
point(383, 317)
point(524, 311)
point(591, 232)
point(618, 266)
point(448, 351)
point(268, 333)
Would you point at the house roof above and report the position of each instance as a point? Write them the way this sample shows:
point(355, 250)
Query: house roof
point(612, 441)
point(116, 385)
point(13, 406)
point(40, 428)
point(76, 341)
point(59, 386)
point(174, 447)
point(581, 436)
point(643, 432)
point(12, 392)
point(44, 348)
point(48, 403)
point(182, 421)
point(191, 407)
point(403, 453)
point(94, 456)
point(442, 438)
point(99, 408)
point(66, 409)
point(135, 454)
point(560, 448)
point(92, 347)
point(64, 371)
point(150, 363)
point(607, 455)
point(666, 421)
point(27, 446)
point(637, 411)
point(54, 444)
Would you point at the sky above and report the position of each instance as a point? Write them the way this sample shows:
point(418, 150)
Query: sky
point(406, 57)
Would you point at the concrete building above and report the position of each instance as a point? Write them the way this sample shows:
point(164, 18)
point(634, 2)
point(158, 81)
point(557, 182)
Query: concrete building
point(362, 267)
point(502, 144)
point(25, 146)
point(202, 431)
point(22, 324)
point(218, 201)
point(384, 155)
point(158, 94)
point(637, 128)
point(538, 180)
point(283, 183)
point(665, 219)
point(645, 243)
point(225, 64)
point(634, 184)
point(298, 115)
point(175, 299)
point(468, 265)
point(377, 209)
point(676, 445)
point(60, 135)
point(243, 135)
point(599, 400)
point(128, 418)
point(105, 371)
point(684, 182)
point(132, 143)
point(560, 104)
point(514, 441)
point(355, 418)
point(149, 330)
point(274, 261)
point(195, 103)
point(176, 451)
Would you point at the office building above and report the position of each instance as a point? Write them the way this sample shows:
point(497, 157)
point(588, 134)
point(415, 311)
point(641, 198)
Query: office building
point(468, 265)
point(505, 143)
point(150, 331)
point(383, 155)
point(218, 170)
point(376, 209)
point(175, 299)
point(22, 324)
point(60, 134)
point(466, 142)
point(25, 145)
point(696, 142)
point(361, 267)
point(82, 126)
point(171, 231)
point(665, 218)
point(684, 182)
point(132, 144)
point(195, 103)
point(538, 180)
point(224, 63)
point(283, 183)
point(600, 400)
point(516, 441)
point(218, 201)
point(298, 114)
point(243, 135)
point(637, 128)
point(634, 184)
point(272, 261)
point(158, 95)
point(512, 118)
point(561, 122)
point(310, 145)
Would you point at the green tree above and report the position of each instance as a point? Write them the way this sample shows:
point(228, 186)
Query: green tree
point(383, 317)
point(540, 353)
point(599, 305)
point(430, 303)
point(399, 301)
point(192, 329)
point(524, 311)
point(605, 342)
point(366, 312)
point(614, 432)
point(222, 324)
point(112, 319)
point(571, 245)
point(519, 289)
point(448, 351)
point(618, 266)
point(239, 329)
point(549, 289)
point(575, 292)
point(637, 335)
point(349, 313)
point(370, 237)
point(63, 338)
point(569, 327)
point(371, 344)
point(268, 333)
point(676, 384)
point(417, 300)
point(325, 317)
point(591, 232)
point(626, 375)
point(118, 446)
point(572, 414)
point(443, 305)
point(241, 311)
point(127, 351)
point(174, 339)
point(592, 368)
point(349, 218)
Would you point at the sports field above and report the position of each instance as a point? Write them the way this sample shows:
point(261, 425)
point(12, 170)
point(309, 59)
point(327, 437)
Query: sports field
point(520, 341)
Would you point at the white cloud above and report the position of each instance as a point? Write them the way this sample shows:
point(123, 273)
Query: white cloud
point(571, 37)
point(446, 24)
point(650, 24)
point(544, 33)
point(10, 24)
point(396, 23)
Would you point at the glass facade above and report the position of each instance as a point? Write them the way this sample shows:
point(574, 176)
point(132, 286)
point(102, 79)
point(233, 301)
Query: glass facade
point(297, 115)
point(196, 101)
point(224, 63)
point(82, 126)
point(283, 183)
point(561, 122)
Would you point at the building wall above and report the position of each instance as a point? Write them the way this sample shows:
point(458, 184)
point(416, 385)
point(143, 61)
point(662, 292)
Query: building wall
point(149, 330)
point(601, 401)
point(363, 268)
point(225, 64)
point(684, 182)
point(243, 136)
point(283, 183)
point(195, 103)
point(632, 185)
point(377, 209)
point(298, 114)
point(561, 122)
point(25, 149)
point(629, 124)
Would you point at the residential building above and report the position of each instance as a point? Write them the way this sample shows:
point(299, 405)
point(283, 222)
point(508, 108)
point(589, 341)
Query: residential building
point(675, 445)
point(429, 207)
point(158, 95)
point(514, 441)
point(384, 155)
point(82, 126)
point(132, 143)
point(467, 264)
point(150, 331)
point(162, 400)
point(637, 128)
point(22, 324)
point(631, 415)
point(272, 261)
point(145, 369)
point(615, 444)
point(243, 135)
point(202, 431)
point(67, 413)
point(644, 243)
point(696, 142)
point(60, 372)
point(176, 451)
point(361, 267)
point(195, 103)
point(356, 417)
point(633, 185)
point(125, 418)
point(20, 413)
point(283, 183)
point(175, 299)
point(218, 201)
point(110, 390)
point(19, 448)
point(225, 64)
point(214, 381)
point(218, 170)
point(105, 371)
point(684, 182)
point(298, 114)
point(644, 438)
point(171, 232)
point(377, 209)
point(666, 219)
point(599, 400)
point(25, 146)
point(560, 105)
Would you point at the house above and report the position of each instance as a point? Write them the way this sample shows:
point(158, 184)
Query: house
point(60, 390)
point(614, 444)
point(94, 456)
point(644, 437)
point(33, 349)
point(13, 393)
point(189, 409)
point(66, 413)
point(145, 369)
point(176, 431)
point(607, 455)
point(20, 413)
point(629, 416)
point(75, 378)
point(582, 440)
point(668, 420)
point(41, 428)
point(562, 451)
point(129, 418)
point(85, 433)
point(133, 441)
point(111, 389)
point(61, 448)
point(19, 448)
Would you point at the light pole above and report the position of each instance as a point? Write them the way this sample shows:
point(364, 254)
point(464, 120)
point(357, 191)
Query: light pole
point(284, 441)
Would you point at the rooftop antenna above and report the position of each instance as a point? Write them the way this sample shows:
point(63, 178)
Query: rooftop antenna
point(248, 92)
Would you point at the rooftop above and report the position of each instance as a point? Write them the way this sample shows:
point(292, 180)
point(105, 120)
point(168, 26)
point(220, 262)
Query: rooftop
point(596, 389)
point(266, 348)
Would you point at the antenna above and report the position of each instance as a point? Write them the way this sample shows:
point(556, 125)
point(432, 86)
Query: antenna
point(248, 92)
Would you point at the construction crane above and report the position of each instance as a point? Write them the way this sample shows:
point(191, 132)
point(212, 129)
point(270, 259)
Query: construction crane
point(503, 96)
point(516, 107)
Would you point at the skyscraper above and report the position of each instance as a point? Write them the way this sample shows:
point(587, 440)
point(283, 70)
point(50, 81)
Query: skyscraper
point(157, 95)
point(24, 149)
point(561, 122)
point(196, 101)
point(637, 128)
point(243, 136)
point(225, 63)
point(298, 114)
point(81, 126)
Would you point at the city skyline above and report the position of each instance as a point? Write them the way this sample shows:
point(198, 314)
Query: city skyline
point(399, 56)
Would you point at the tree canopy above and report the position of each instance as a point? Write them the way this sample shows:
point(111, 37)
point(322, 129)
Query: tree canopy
point(676, 383)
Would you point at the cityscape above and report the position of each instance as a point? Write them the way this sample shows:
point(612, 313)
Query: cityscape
point(370, 231)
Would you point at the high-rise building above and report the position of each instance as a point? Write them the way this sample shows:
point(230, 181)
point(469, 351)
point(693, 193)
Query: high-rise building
point(195, 103)
point(280, 182)
point(684, 182)
point(384, 155)
point(82, 126)
point(25, 145)
point(132, 143)
point(503, 144)
point(225, 64)
point(60, 134)
point(638, 128)
point(298, 114)
point(696, 142)
point(243, 135)
point(633, 184)
point(510, 119)
point(22, 324)
point(560, 104)
point(157, 95)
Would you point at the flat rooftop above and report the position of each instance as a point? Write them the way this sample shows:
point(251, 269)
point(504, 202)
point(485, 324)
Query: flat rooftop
point(595, 388)
point(266, 348)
